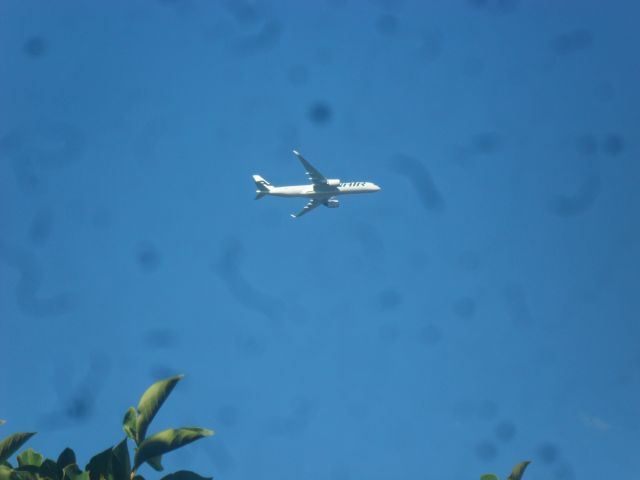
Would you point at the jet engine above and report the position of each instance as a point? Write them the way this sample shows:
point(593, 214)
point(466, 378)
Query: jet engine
point(333, 182)
point(332, 203)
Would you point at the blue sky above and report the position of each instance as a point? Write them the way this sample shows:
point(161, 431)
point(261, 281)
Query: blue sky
point(480, 310)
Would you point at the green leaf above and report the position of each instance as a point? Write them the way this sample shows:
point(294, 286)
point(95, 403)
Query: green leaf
point(518, 471)
point(2, 422)
point(185, 475)
point(73, 472)
point(150, 402)
point(138, 477)
point(129, 424)
point(50, 469)
point(66, 457)
point(156, 463)
point(100, 465)
point(25, 474)
point(5, 472)
point(489, 476)
point(30, 457)
point(166, 441)
point(12, 443)
point(121, 464)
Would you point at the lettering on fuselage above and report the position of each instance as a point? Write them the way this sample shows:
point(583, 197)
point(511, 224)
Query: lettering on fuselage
point(353, 184)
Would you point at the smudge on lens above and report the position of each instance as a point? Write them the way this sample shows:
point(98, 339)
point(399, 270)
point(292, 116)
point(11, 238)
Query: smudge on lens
point(613, 144)
point(148, 257)
point(389, 299)
point(580, 202)
point(547, 453)
point(387, 24)
point(574, 41)
point(320, 113)
point(35, 47)
point(41, 226)
point(505, 431)
point(421, 179)
point(464, 307)
point(486, 450)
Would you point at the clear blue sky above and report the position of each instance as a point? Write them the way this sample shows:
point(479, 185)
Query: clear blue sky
point(480, 310)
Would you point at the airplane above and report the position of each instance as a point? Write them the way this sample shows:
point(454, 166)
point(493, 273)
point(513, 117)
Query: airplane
point(321, 191)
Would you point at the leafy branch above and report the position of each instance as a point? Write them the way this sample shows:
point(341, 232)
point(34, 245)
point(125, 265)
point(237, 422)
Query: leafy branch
point(516, 473)
point(114, 463)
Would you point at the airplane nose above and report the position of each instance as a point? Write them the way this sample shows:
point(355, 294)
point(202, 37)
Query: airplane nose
point(378, 188)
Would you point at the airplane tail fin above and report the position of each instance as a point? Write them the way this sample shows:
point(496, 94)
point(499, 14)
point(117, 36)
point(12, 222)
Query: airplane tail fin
point(263, 186)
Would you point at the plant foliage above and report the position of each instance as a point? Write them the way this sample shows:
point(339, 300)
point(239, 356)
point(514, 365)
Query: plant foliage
point(114, 463)
point(516, 473)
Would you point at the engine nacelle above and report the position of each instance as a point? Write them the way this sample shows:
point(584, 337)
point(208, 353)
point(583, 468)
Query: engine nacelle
point(332, 203)
point(333, 182)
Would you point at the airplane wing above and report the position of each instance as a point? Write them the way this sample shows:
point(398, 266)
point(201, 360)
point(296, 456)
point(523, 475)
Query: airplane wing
point(314, 175)
point(313, 203)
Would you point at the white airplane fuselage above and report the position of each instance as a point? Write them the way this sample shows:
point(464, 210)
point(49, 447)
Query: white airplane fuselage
point(323, 191)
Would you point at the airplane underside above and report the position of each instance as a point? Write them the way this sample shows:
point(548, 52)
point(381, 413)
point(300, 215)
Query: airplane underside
point(322, 191)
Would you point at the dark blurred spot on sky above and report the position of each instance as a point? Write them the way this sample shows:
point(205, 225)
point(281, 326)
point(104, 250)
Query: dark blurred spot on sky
point(420, 178)
point(78, 399)
point(298, 75)
point(581, 201)
point(494, 6)
point(430, 335)
point(41, 226)
point(486, 450)
point(261, 41)
point(517, 305)
point(38, 151)
point(296, 421)
point(243, 11)
point(161, 338)
point(148, 257)
point(574, 41)
point(432, 46)
point(505, 431)
point(547, 453)
point(387, 24)
point(35, 47)
point(389, 298)
point(250, 345)
point(320, 113)
point(564, 472)
point(228, 267)
point(370, 240)
point(464, 307)
point(485, 143)
point(26, 291)
point(613, 144)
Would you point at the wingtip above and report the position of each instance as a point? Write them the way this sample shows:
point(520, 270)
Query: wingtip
point(293, 216)
point(296, 152)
